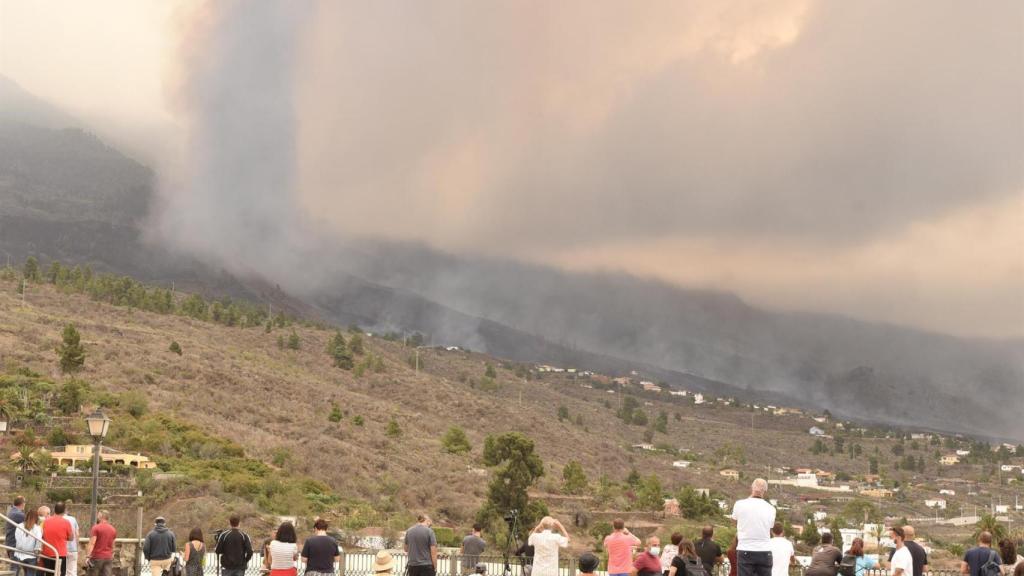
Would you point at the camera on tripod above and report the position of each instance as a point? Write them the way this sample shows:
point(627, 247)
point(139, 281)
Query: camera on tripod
point(512, 517)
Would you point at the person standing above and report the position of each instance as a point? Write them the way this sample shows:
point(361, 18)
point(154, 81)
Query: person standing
point(731, 555)
point(472, 547)
point(27, 543)
point(320, 552)
point(709, 551)
point(234, 548)
point(16, 515)
point(195, 553)
point(754, 518)
point(73, 543)
point(782, 554)
point(546, 543)
point(979, 556)
point(284, 551)
point(917, 552)
point(159, 546)
point(902, 563)
point(864, 563)
point(421, 548)
point(1010, 557)
point(686, 562)
point(101, 546)
point(620, 544)
point(825, 558)
point(670, 551)
point(648, 562)
point(588, 564)
point(56, 532)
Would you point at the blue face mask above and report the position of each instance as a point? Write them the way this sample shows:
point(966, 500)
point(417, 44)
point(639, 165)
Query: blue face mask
point(655, 550)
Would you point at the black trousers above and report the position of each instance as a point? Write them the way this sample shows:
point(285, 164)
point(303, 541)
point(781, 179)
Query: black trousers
point(754, 563)
point(427, 570)
point(50, 563)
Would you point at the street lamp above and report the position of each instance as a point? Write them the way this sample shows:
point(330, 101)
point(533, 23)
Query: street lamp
point(98, 425)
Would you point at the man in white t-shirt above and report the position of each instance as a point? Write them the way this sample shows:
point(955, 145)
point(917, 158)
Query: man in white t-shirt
point(902, 563)
point(545, 544)
point(782, 552)
point(754, 518)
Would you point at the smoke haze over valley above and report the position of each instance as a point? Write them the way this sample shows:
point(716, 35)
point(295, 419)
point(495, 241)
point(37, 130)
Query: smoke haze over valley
point(821, 201)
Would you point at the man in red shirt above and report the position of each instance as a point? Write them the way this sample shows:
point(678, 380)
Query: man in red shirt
point(57, 531)
point(648, 562)
point(101, 546)
point(619, 545)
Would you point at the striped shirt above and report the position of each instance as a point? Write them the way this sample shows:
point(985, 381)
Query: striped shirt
point(282, 555)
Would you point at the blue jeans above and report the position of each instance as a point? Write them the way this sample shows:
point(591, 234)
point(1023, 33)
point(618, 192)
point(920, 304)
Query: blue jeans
point(753, 563)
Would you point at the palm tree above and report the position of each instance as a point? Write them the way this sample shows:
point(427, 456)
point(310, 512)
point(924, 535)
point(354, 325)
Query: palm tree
point(988, 523)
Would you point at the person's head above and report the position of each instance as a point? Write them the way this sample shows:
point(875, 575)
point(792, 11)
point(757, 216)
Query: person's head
point(31, 518)
point(480, 568)
point(758, 488)
point(908, 532)
point(547, 523)
point(618, 524)
point(383, 563)
point(424, 519)
point(654, 545)
point(234, 520)
point(59, 508)
point(985, 538)
point(67, 504)
point(707, 532)
point(477, 529)
point(686, 548)
point(826, 538)
point(588, 563)
point(320, 525)
point(160, 521)
point(103, 516)
point(43, 512)
point(19, 502)
point(1007, 551)
point(857, 548)
point(676, 538)
point(898, 535)
point(777, 529)
point(286, 533)
point(1019, 570)
point(196, 534)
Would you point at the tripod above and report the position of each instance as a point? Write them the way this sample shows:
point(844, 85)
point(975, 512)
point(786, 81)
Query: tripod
point(513, 539)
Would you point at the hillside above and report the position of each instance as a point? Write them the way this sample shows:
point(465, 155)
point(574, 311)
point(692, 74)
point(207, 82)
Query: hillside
point(239, 385)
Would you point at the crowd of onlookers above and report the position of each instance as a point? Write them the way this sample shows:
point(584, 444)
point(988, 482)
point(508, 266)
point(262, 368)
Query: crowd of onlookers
point(40, 542)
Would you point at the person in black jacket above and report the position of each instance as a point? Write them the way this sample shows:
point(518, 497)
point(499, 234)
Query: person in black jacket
point(159, 546)
point(234, 548)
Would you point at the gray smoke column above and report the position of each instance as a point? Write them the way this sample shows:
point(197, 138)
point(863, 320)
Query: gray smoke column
point(231, 197)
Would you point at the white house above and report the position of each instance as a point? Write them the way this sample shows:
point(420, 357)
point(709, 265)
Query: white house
point(1002, 508)
point(821, 419)
point(815, 431)
point(809, 480)
point(963, 452)
point(949, 460)
point(820, 515)
point(1008, 467)
point(947, 492)
point(681, 464)
point(698, 398)
point(679, 392)
point(644, 446)
point(939, 503)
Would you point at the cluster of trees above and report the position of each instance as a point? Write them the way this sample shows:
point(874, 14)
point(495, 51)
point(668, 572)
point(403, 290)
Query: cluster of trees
point(515, 468)
point(126, 291)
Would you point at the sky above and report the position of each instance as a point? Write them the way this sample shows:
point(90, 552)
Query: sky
point(863, 158)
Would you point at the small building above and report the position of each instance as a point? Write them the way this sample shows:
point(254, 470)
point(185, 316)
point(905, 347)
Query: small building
point(650, 386)
point(949, 460)
point(815, 431)
point(1008, 467)
point(947, 492)
point(963, 452)
point(671, 507)
point(698, 398)
point(807, 480)
point(820, 515)
point(74, 454)
point(644, 446)
point(939, 503)
point(1002, 508)
point(877, 492)
point(678, 392)
point(730, 473)
point(681, 464)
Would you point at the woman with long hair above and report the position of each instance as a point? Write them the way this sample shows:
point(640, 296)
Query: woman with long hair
point(1008, 552)
point(27, 547)
point(864, 563)
point(195, 553)
point(686, 562)
point(283, 551)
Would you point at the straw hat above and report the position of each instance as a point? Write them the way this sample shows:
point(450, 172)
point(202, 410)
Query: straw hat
point(384, 562)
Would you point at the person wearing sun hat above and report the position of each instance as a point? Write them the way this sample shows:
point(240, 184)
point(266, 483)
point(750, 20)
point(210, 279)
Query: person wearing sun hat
point(383, 563)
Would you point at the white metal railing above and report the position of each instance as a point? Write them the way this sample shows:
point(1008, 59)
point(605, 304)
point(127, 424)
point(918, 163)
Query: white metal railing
point(11, 561)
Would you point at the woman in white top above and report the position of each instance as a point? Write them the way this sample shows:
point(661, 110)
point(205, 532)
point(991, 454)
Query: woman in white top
point(27, 546)
point(283, 551)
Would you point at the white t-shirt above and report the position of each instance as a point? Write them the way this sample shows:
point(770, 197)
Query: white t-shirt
point(754, 520)
point(282, 555)
point(782, 554)
point(545, 552)
point(902, 559)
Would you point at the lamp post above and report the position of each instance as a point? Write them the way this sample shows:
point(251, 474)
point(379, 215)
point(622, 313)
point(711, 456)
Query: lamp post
point(98, 425)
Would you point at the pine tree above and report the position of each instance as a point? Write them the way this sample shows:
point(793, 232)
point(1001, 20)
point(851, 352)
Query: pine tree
point(293, 341)
point(455, 441)
point(490, 372)
point(563, 413)
point(355, 344)
point(574, 479)
point(335, 413)
point(30, 272)
point(71, 351)
point(280, 341)
point(339, 352)
point(810, 535)
point(175, 347)
point(394, 430)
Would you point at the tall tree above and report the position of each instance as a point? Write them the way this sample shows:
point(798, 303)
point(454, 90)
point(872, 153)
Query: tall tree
point(30, 271)
point(516, 468)
point(71, 351)
point(574, 479)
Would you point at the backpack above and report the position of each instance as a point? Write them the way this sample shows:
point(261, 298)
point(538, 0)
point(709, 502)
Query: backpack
point(991, 566)
point(174, 569)
point(848, 565)
point(695, 567)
